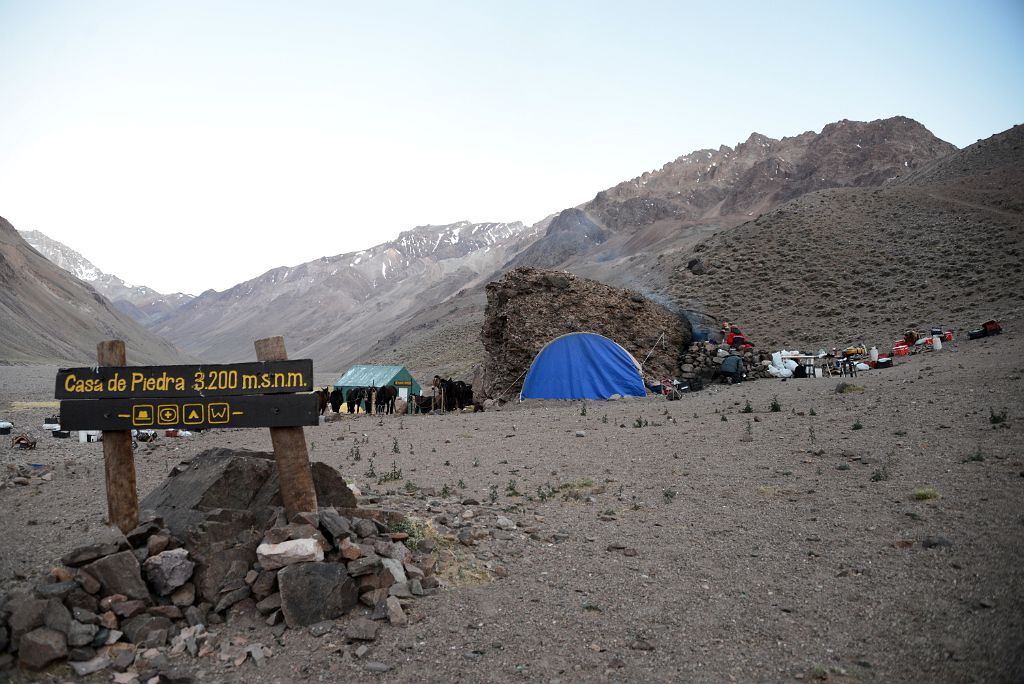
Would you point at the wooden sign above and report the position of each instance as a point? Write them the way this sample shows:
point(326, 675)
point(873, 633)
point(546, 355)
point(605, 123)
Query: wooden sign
point(107, 382)
point(402, 383)
point(190, 413)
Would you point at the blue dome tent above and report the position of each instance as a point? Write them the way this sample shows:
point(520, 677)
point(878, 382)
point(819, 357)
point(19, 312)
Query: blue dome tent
point(582, 366)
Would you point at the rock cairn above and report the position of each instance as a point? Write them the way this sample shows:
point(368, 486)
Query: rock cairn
point(129, 603)
point(702, 359)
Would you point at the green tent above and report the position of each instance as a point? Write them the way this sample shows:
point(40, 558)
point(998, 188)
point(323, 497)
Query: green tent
point(378, 376)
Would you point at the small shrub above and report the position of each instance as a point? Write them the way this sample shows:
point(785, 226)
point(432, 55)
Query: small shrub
point(848, 388)
point(476, 462)
point(394, 447)
point(445, 491)
point(512, 489)
point(724, 419)
point(640, 422)
point(926, 494)
point(812, 412)
point(775, 406)
point(747, 408)
point(669, 494)
point(461, 484)
point(996, 419)
point(881, 474)
point(583, 409)
point(370, 472)
point(857, 425)
point(410, 486)
point(604, 418)
point(492, 494)
point(976, 457)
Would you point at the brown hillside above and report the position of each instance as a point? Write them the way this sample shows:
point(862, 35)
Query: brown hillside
point(49, 316)
point(942, 246)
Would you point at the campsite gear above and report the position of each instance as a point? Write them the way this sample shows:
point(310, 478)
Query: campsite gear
point(884, 362)
point(61, 434)
point(901, 348)
point(170, 433)
point(874, 354)
point(23, 441)
point(583, 366)
point(937, 342)
point(947, 336)
point(5, 427)
point(992, 327)
point(85, 436)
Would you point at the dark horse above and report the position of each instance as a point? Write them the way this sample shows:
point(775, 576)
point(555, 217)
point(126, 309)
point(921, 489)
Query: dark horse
point(385, 400)
point(450, 395)
point(323, 395)
point(354, 396)
point(336, 399)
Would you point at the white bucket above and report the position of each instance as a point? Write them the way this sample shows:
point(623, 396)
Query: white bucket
point(937, 342)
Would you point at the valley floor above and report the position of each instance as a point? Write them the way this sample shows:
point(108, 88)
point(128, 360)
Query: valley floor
point(769, 546)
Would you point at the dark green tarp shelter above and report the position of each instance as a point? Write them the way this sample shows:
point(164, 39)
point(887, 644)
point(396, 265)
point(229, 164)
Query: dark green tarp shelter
point(379, 376)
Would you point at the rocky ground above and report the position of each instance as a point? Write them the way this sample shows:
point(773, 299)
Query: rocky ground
point(869, 535)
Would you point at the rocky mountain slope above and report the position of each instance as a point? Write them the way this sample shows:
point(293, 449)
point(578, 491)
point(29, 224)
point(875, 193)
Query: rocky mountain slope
point(943, 245)
point(701, 192)
point(529, 307)
point(50, 316)
point(335, 309)
point(142, 303)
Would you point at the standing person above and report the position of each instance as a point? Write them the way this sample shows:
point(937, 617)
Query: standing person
point(732, 368)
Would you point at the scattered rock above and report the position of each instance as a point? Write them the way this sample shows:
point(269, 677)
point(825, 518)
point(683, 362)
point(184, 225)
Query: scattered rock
point(274, 556)
point(119, 573)
point(40, 647)
point(361, 629)
point(313, 592)
point(168, 570)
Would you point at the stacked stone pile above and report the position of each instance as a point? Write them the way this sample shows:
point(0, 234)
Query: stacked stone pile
point(701, 361)
point(129, 603)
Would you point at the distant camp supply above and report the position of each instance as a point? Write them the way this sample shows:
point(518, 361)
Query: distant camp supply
point(5, 427)
point(987, 329)
point(583, 366)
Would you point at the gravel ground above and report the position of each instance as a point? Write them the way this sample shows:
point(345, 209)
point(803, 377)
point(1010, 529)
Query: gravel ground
point(765, 546)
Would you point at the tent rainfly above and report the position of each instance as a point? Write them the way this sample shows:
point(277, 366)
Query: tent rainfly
point(378, 376)
point(583, 366)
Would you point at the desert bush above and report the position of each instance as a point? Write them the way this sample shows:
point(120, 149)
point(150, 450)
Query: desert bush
point(926, 494)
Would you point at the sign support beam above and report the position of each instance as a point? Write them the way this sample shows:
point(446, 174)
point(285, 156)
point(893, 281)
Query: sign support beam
point(118, 458)
point(296, 477)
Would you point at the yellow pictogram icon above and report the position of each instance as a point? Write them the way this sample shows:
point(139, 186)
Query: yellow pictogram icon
point(142, 414)
point(167, 414)
point(219, 413)
point(192, 414)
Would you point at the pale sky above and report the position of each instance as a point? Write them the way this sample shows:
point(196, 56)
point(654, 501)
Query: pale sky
point(194, 145)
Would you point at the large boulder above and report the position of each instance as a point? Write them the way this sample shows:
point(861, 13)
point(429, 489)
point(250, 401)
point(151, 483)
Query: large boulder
point(529, 307)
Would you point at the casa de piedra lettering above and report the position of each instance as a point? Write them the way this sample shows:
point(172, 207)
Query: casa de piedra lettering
point(258, 394)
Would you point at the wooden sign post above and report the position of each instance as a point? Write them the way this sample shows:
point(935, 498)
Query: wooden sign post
point(116, 399)
point(118, 458)
point(296, 477)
